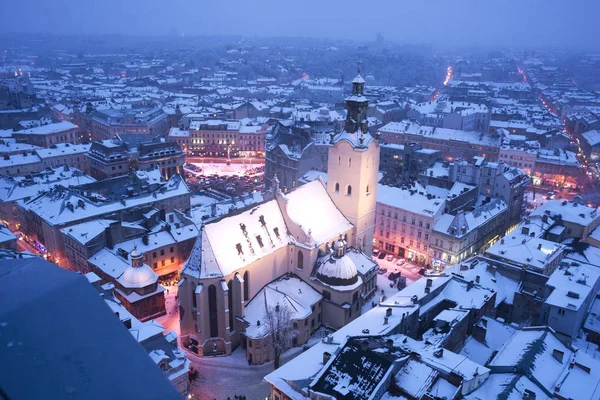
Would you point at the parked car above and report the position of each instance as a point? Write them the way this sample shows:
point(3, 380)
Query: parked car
point(390, 257)
point(400, 262)
point(382, 271)
point(382, 255)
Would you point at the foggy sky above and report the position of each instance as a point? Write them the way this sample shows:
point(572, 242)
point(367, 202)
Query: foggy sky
point(528, 23)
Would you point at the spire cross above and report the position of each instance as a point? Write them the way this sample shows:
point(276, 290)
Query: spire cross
point(358, 64)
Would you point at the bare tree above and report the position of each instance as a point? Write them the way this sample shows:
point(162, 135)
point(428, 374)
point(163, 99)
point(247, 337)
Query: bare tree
point(280, 330)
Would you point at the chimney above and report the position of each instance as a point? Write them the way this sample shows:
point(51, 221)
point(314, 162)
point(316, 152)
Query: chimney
point(558, 355)
point(414, 299)
point(477, 279)
point(479, 332)
point(528, 395)
point(427, 290)
point(389, 344)
point(326, 357)
point(470, 285)
point(439, 353)
point(388, 312)
point(277, 307)
point(429, 283)
point(258, 323)
point(385, 320)
point(539, 246)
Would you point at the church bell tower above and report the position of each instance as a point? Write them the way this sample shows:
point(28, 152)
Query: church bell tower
point(353, 169)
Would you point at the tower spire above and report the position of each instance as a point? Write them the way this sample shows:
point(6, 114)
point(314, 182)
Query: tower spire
point(358, 63)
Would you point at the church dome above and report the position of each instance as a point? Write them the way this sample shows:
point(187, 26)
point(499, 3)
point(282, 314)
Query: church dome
point(338, 271)
point(138, 277)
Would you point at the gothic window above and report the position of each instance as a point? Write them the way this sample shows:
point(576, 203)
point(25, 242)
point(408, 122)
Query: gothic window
point(194, 301)
point(246, 285)
point(212, 311)
point(337, 187)
point(230, 300)
point(300, 264)
point(349, 191)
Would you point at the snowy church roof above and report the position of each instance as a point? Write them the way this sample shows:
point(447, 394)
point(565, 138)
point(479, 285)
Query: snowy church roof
point(237, 240)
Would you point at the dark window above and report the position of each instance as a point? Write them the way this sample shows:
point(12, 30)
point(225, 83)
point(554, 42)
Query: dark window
point(246, 285)
point(213, 317)
point(300, 264)
point(194, 301)
point(326, 295)
point(349, 190)
point(230, 299)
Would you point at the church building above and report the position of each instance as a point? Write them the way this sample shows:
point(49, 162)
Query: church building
point(317, 238)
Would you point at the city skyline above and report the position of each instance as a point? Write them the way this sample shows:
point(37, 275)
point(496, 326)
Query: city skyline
point(511, 23)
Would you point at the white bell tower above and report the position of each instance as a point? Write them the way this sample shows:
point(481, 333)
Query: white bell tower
point(353, 169)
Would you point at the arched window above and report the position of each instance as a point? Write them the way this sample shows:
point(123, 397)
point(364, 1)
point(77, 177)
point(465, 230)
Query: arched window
point(368, 189)
point(194, 301)
point(246, 285)
point(230, 300)
point(213, 317)
point(349, 162)
point(300, 264)
point(349, 190)
point(337, 187)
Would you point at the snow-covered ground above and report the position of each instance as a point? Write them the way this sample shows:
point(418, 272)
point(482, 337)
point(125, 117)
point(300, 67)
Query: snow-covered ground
point(224, 169)
point(171, 319)
point(409, 270)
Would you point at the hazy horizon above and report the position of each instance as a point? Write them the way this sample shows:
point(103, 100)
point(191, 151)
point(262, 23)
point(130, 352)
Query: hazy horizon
point(509, 23)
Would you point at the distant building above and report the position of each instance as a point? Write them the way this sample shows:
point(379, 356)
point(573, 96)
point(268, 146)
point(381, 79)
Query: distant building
point(116, 157)
point(43, 216)
point(107, 124)
point(405, 162)
point(453, 144)
point(292, 152)
point(457, 115)
point(222, 138)
point(13, 189)
point(50, 134)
